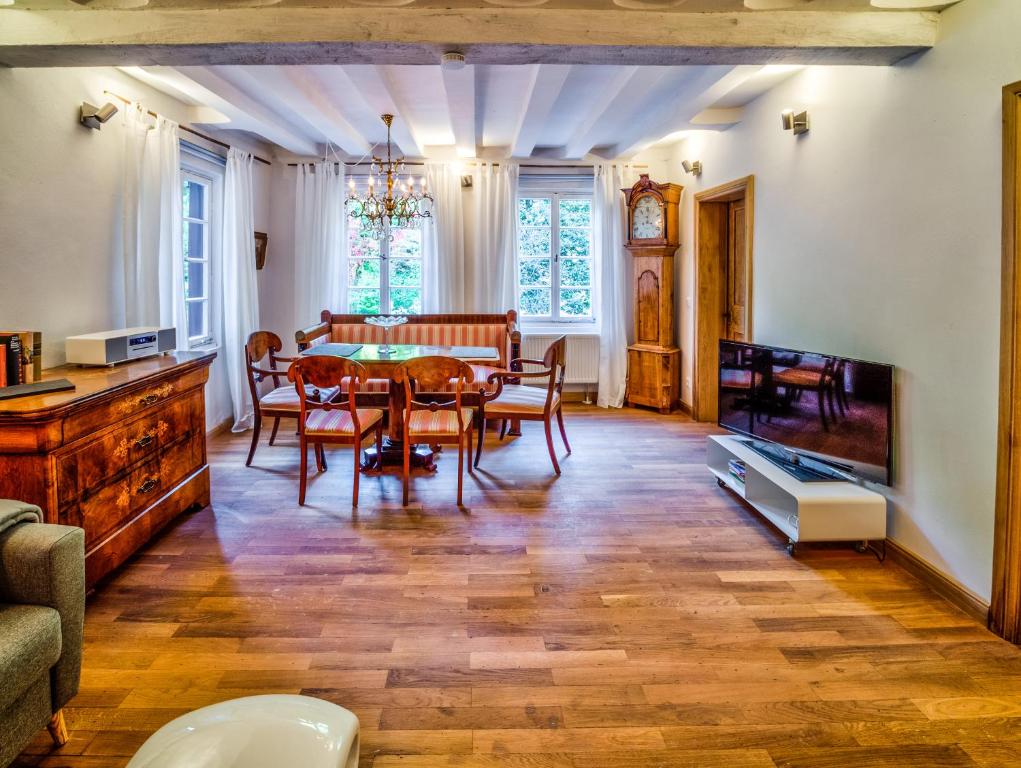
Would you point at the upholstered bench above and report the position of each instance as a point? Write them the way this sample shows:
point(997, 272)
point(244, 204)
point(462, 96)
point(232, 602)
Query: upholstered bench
point(499, 331)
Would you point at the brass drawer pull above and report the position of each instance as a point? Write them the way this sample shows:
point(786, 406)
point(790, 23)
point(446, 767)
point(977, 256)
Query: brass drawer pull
point(148, 400)
point(144, 440)
point(148, 485)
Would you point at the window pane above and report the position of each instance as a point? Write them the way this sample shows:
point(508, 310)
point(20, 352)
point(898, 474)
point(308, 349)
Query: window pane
point(192, 241)
point(576, 272)
point(534, 242)
point(406, 301)
point(535, 272)
point(575, 302)
point(363, 301)
point(194, 279)
point(535, 301)
point(363, 273)
point(194, 200)
point(197, 319)
point(405, 243)
point(574, 242)
point(534, 212)
point(576, 213)
point(362, 244)
point(406, 272)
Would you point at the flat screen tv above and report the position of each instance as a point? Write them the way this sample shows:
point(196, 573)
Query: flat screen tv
point(833, 411)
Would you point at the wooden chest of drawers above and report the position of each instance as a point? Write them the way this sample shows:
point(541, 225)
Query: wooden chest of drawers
point(120, 456)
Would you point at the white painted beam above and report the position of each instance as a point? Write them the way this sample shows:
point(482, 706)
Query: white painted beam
point(674, 109)
point(374, 85)
point(609, 111)
point(334, 35)
point(298, 95)
point(459, 85)
point(212, 89)
point(546, 81)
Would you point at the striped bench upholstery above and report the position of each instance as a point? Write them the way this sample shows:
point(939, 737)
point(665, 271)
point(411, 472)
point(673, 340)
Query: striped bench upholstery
point(499, 331)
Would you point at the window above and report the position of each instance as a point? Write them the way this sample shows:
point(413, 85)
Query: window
point(197, 249)
point(555, 256)
point(384, 271)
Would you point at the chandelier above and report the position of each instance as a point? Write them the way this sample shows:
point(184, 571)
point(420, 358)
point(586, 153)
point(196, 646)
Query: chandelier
point(389, 201)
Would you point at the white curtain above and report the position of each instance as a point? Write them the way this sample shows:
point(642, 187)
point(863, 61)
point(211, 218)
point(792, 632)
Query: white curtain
point(608, 240)
point(494, 268)
point(320, 273)
point(443, 268)
point(240, 290)
point(152, 220)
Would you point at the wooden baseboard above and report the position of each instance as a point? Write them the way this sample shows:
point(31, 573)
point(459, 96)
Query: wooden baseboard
point(944, 586)
point(219, 429)
point(684, 408)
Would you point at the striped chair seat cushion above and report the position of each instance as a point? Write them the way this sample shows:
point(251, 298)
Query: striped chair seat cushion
point(286, 398)
point(369, 385)
point(339, 421)
point(425, 424)
point(798, 377)
point(519, 399)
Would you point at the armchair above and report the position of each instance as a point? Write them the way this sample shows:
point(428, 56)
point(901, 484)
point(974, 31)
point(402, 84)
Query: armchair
point(42, 611)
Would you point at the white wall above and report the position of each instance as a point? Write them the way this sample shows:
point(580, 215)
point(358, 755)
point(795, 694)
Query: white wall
point(60, 208)
point(877, 235)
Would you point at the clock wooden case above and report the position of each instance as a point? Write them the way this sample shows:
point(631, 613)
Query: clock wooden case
point(654, 361)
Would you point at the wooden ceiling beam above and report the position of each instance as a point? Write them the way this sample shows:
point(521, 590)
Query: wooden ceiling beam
point(459, 86)
point(334, 35)
point(545, 83)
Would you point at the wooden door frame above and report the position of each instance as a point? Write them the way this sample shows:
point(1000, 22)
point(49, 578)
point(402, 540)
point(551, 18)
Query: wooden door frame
point(738, 188)
point(1005, 609)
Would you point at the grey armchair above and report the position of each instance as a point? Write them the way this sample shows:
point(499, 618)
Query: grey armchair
point(42, 611)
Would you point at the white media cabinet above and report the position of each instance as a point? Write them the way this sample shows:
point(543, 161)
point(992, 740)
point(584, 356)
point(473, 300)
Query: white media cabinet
point(816, 511)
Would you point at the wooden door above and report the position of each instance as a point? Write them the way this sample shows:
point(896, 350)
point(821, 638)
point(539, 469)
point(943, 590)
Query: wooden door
point(736, 304)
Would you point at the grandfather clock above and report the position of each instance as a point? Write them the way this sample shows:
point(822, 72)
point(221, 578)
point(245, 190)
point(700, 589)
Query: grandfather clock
point(654, 361)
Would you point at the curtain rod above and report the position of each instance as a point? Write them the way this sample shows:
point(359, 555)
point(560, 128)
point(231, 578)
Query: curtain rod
point(189, 130)
point(522, 165)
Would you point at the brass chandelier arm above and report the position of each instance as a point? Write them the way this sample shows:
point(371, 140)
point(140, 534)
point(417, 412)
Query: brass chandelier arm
point(400, 205)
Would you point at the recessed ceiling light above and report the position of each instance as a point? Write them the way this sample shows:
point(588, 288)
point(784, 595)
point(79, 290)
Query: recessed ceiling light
point(648, 5)
point(773, 5)
point(913, 5)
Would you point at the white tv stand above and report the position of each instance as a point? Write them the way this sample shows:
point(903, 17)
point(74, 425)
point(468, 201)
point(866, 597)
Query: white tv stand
point(816, 511)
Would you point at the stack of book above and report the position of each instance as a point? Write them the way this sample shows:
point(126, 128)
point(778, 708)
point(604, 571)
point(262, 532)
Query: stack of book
point(737, 469)
point(11, 370)
point(20, 357)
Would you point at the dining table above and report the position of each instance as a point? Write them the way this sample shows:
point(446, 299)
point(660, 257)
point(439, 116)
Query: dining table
point(380, 361)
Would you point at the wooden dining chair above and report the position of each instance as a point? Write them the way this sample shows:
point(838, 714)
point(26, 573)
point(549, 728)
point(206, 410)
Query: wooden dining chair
point(336, 421)
point(436, 423)
point(519, 402)
point(281, 402)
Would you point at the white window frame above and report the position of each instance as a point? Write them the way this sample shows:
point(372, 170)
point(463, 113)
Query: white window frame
point(555, 318)
point(383, 240)
point(206, 168)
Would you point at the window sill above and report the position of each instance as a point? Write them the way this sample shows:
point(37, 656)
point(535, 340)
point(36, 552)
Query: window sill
point(559, 329)
point(211, 346)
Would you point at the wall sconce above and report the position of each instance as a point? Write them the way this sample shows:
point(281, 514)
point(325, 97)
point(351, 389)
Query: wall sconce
point(94, 117)
point(794, 122)
point(466, 181)
point(695, 168)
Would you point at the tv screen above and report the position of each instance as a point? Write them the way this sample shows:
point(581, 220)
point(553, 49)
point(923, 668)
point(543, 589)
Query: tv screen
point(833, 409)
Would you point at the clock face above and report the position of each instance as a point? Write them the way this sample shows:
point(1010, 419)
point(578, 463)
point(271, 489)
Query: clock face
point(647, 219)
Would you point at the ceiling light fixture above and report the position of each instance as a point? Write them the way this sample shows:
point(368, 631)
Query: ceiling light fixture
point(92, 116)
point(798, 123)
point(694, 168)
point(452, 60)
point(399, 204)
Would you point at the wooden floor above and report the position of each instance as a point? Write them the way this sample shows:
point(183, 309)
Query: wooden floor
point(628, 614)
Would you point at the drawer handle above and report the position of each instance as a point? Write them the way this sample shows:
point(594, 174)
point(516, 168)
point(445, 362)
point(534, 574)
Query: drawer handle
point(148, 400)
point(148, 485)
point(144, 440)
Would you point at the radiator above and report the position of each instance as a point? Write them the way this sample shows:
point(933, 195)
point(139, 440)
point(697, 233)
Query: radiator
point(582, 355)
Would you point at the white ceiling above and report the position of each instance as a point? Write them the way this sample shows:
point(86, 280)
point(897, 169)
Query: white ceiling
point(488, 111)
